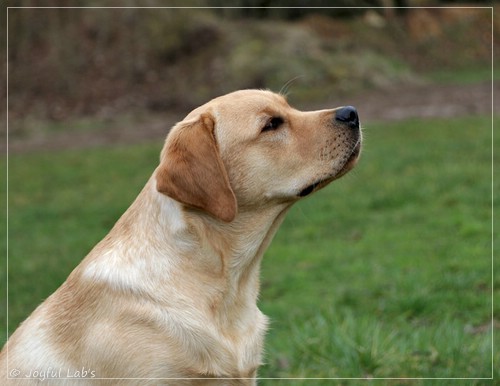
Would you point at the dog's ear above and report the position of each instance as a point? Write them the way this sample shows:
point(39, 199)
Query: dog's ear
point(191, 170)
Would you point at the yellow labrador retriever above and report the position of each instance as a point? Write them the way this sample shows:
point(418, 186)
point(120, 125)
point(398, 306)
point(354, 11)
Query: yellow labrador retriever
point(169, 295)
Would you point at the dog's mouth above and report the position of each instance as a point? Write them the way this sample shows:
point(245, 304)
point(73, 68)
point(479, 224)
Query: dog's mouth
point(311, 188)
point(348, 165)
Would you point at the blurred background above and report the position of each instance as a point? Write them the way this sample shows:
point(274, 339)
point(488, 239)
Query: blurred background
point(108, 64)
point(386, 273)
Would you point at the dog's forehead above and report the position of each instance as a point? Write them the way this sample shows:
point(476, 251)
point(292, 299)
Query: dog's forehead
point(249, 103)
point(243, 103)
point(250, 98)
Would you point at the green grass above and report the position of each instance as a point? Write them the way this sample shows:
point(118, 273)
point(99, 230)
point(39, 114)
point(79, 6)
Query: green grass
point(468, 75)
point(386, 273)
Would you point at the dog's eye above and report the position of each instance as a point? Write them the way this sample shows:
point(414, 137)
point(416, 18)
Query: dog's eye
point(273, 124)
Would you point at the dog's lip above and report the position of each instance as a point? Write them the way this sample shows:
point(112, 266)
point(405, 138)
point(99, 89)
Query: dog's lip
point(316, 186)
point(349, 164)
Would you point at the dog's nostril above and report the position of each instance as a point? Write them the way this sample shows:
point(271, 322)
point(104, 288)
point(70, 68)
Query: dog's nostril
point(349, 115)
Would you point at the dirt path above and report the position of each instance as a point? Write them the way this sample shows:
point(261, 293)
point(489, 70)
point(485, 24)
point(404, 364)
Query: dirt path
point(428, 101)
point(423, 101)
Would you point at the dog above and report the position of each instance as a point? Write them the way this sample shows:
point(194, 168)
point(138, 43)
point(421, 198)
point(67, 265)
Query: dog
point(169, 295)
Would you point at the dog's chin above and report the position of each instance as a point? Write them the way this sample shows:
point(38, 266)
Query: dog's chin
point(349, 164)
point(351, 161)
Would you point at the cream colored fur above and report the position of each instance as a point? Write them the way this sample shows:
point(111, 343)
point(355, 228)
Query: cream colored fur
point(171, 291)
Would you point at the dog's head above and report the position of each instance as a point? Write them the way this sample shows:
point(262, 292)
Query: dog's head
point(249, 149)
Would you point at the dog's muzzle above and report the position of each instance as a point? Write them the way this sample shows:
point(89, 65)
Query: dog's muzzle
point(347, 116)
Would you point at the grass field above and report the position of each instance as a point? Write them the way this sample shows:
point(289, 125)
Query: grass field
point(385, 273)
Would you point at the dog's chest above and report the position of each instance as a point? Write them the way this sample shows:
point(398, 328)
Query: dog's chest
point(239, 349)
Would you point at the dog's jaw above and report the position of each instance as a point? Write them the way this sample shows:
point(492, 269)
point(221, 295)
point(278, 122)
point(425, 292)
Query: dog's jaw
point(349, 164)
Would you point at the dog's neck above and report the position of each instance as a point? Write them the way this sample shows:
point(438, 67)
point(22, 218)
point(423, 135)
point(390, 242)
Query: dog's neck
point(213, 258)
point(235, 251)
point(243, 241)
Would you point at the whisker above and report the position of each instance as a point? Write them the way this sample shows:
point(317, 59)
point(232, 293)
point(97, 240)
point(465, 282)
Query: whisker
point(284, 89)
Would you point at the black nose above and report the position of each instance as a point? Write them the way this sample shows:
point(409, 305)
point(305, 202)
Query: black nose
point(348, 115)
